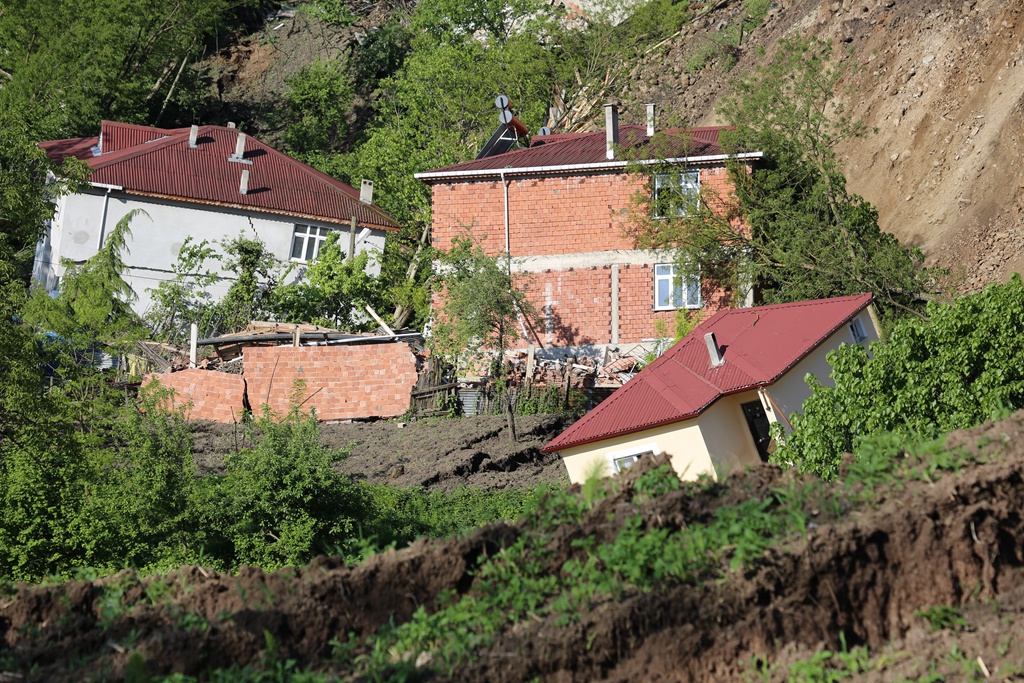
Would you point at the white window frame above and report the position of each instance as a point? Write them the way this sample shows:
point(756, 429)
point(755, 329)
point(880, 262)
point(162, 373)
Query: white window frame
point(616, 458)
point(680, 294)
point(685, 185)
point(311, 238)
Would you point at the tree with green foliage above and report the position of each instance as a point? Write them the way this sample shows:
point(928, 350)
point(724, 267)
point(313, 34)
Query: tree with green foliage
point(334, 291)
point(93, 305)
point(792, 229)
point(483, 307)
point(960, 367)
point(29, 183)
point(184, 299)
point(250, 294)
point(71, 63)
point(319, 99)
point(285, 501)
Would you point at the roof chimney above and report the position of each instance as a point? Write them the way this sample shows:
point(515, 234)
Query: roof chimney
point(366, 191)
point(240, 146)
point(714, 352)
point(650, 120)
point(611, 129)
point(231, 124)
point(193, 135)
point(243, 186)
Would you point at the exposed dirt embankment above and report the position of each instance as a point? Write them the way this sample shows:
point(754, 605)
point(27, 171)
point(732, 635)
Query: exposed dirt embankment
point(436, 454)
point(865, 573)
point(942, 81)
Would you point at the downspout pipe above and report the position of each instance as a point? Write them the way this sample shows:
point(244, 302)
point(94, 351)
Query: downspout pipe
point(508, 254)
point(508, 244)
point(103, 215)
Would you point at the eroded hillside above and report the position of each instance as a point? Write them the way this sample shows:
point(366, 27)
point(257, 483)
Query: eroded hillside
point(942, 82)
point(908, 566)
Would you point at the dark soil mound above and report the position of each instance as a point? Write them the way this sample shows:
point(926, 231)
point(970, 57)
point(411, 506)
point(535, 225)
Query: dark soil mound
point(866, 573)
point(437, 454)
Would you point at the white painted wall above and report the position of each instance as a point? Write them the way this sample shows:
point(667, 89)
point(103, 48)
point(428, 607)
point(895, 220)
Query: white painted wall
point(156, 240)
point(683, 441)
point(790, 392)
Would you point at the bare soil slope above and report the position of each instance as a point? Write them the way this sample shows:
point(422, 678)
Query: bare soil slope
point(867, 573)
point(436, 454)
point(942, 82)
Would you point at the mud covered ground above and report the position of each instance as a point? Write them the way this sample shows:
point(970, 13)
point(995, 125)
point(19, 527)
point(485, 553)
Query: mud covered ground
point(436, 453)
point(871, 573)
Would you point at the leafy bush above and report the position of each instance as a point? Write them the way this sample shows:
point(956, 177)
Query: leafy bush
point(963, 365)
point(284, 501)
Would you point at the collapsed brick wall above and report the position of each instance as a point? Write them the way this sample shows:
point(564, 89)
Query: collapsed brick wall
point(206, 395)
point(340, 382)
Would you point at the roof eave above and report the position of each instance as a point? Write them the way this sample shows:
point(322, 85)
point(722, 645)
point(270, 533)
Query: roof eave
point(428, 176)
point(247, 207)
point(654, 425)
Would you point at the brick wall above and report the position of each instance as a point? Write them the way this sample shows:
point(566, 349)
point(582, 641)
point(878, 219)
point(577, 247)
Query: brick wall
point(215, 396)
point(341, 382)
point(564, 214)
point(569, 214)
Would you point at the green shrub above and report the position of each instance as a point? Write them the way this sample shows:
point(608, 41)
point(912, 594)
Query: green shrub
point(284, 501)
point(960, 367)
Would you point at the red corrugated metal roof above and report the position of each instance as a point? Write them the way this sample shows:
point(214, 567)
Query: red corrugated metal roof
point(79, 148)
point(571, 149)
point(159, 162)
point(759, 345)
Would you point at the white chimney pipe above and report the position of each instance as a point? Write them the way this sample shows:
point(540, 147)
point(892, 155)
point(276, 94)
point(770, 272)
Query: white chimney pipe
point(240, 146)
point(243, 185)
point(611, 129)
point(714, 352)
point(231, 124)
point(193, 136)
point(650, 120)
point(366, 192)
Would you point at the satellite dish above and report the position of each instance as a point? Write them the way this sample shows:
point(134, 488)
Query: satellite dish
point(544, 130)
point(501, 102)
point(505, 116)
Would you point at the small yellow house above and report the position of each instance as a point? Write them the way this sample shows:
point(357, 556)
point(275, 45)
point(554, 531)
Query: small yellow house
point(709, 401)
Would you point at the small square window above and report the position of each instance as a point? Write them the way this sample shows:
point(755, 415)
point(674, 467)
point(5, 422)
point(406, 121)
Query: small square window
point(625, 462)
point(676, 194)
point(857, 330)
point(306, 242)
point(672, 292)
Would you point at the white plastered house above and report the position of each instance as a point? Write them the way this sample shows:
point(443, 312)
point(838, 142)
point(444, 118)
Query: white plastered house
point(205, 182)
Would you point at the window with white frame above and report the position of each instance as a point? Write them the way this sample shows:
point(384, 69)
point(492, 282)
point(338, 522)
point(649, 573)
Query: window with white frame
point(676, 194)
point(673, 290)
point(624, 462)
point(306, 242)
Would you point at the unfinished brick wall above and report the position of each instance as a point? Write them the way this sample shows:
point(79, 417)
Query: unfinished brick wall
point(341, 382)
point(562, 215)
point(215, 396)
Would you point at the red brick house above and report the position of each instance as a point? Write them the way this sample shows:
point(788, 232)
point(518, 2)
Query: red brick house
point(559, 208)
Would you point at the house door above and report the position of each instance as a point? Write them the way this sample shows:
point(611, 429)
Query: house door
point(759, 427)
